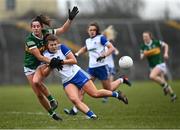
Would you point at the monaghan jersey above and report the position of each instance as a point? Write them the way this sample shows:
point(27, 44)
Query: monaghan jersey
point(95, 47)
point(32, 41)
point(69, 70)
point(154, 47)
point(110, 59)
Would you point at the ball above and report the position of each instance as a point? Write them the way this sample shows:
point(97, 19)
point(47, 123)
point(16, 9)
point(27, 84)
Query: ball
point(125, 62)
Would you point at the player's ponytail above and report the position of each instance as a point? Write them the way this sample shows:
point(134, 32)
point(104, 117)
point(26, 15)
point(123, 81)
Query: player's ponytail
point(43, 20)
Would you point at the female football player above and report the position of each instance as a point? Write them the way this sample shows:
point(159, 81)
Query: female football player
point(74, 78)
point(98, 68)
point(35, 45)
point(151, 49)
point(98, 48)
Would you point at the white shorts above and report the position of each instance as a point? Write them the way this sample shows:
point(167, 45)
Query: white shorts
point(28, 71)
point(162, 67)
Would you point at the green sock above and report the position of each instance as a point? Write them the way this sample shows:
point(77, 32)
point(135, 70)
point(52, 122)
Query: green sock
point(164, 85)
point(50, 111)
point(50, 98)
point(172, 94)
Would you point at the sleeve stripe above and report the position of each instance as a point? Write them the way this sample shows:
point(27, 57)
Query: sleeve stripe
point(54, 31)
point(67, 52)
point(32, 47)
point(106, 43)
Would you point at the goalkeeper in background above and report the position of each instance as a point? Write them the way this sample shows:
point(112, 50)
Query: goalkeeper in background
point(151, 49)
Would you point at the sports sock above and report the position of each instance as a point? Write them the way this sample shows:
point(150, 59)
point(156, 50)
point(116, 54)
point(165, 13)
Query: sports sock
point(90, 113)
point(115, 94)
point(121, 80)
point(164, 85)
point(50, 112)
point(75, 109)
point(50, 98)
point(172, 94)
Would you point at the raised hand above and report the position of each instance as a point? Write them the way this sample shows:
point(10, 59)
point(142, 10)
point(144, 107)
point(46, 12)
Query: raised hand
point(73, 13)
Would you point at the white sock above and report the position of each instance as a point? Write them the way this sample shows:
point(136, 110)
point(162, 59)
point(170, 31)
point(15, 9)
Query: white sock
point(75, 109)
point(121, 80)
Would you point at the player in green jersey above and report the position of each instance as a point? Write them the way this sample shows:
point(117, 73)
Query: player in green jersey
point(151, 49)
point(34, 47)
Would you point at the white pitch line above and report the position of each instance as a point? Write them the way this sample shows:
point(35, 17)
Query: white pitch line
point(27, 113)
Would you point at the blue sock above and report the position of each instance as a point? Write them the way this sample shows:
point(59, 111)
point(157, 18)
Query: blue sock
point(90, 113)
point(115, 94)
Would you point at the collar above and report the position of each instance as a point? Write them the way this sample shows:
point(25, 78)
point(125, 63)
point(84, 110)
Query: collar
point(37, 37)
point(149, 44)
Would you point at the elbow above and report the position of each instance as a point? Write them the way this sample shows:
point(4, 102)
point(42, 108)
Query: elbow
point(112, 49)
point(41, 58)
point(75, 61)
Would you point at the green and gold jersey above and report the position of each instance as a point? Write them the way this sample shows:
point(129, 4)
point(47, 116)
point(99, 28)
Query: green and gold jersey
point(32, 41)
point(152, 51)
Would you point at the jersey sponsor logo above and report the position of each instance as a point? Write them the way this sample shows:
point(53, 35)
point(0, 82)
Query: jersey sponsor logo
point(30, 43)
point(92, 49)
point(51, 55)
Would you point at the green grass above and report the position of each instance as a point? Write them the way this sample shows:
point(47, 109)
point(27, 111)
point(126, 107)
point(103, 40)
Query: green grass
point(147, 108)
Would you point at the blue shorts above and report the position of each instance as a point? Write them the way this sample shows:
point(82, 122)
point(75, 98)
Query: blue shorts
point(101, 72)
point(112, 71)
point(79, 79)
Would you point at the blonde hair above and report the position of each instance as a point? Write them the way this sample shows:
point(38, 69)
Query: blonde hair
point(110, 33)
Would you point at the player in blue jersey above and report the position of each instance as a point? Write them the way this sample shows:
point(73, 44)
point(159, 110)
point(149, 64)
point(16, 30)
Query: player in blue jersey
point(74, 78)
point(96, 46)
point(34, 46)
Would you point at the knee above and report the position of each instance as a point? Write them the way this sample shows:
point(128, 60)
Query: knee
point(36, 81)
point(95, 95)
point(152, 77)
point(75, 100)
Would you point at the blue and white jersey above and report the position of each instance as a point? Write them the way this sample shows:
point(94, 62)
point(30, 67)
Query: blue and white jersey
point(110, 60)
point(68, 71)
point(95, 47)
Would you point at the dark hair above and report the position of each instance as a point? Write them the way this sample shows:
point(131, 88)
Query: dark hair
point(97, 27)
point(150, 34)
point(42, 19)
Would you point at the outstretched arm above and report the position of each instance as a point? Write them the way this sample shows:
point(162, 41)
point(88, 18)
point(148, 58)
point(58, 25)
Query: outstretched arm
point(53, 63)
point(81, 51)
point(67, 24)
point(37, 54)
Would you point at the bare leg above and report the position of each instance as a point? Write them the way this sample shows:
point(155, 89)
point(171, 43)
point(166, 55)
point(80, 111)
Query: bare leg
point(39, 94)
point(158, 76)
point(107, 84)
point(72, 93)
point(91, 90)
point(155, 76)
point(40, 74)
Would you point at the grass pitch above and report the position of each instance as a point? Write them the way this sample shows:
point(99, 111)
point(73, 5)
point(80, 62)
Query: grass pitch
point(147, 108)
